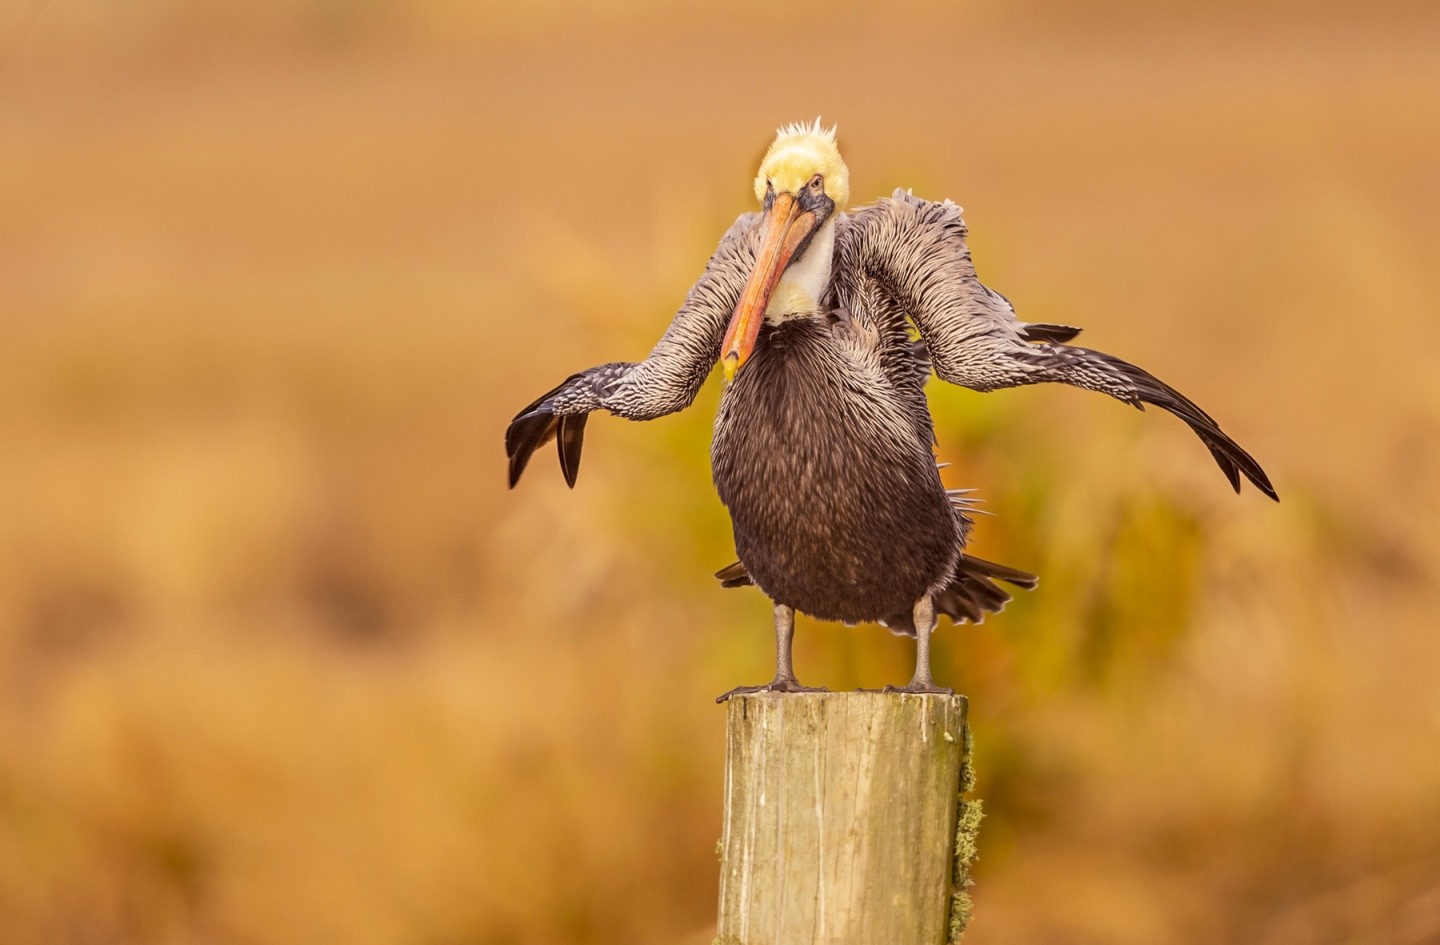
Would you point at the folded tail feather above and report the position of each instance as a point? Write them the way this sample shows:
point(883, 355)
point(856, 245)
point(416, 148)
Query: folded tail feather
point(971, 595)
point(734, 575)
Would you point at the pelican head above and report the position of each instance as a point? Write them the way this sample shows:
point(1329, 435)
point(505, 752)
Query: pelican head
point(802, 185)
point(799, 153)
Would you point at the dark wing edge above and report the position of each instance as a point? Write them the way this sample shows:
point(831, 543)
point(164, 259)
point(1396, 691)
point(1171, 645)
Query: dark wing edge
point(1096, 370)
point(538, 423)
point(570, 439)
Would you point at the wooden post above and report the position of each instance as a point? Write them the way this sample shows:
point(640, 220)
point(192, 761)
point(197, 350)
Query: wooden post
point(844, 820)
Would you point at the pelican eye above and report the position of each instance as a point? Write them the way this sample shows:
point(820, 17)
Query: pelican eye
point(817, 183)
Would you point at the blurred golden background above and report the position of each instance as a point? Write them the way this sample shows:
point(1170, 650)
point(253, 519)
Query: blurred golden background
point(282, 661)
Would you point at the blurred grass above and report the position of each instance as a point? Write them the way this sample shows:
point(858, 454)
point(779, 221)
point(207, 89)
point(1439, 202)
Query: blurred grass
point(283, 661)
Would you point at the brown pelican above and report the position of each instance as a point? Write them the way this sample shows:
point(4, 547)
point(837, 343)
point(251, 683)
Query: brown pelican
point(823, 445)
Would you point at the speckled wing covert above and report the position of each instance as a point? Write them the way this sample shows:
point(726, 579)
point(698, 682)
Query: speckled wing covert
point(666, 381)
point(915, 252)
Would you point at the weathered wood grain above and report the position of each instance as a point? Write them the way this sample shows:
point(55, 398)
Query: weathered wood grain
point(840, 819)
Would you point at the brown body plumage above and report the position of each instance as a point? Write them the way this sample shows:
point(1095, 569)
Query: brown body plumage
point(837, 506)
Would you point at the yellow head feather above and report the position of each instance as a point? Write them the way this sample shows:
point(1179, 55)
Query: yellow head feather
point(799, 153)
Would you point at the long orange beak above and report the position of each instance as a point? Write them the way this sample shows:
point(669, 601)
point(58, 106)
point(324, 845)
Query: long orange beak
point(784, 229)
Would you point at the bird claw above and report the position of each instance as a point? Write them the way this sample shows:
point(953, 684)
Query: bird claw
point(921, 687)
point(778, 684)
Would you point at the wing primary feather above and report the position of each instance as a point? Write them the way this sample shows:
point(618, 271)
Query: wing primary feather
point(525, 435)
point(1096, 370)
point(569, 442)
point(1229, 455)
point(1055, 334)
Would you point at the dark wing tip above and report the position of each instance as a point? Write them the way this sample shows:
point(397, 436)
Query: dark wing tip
point(570, 440)
point(533, 427)
point(1262, 482)
point(527, 433)
point(1231, 458)
point(1226, 464)
point(1229, 455)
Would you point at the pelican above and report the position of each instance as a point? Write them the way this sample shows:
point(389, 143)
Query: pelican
point(823, 449)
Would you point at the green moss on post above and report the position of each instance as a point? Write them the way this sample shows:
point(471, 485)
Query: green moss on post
point(968, 814)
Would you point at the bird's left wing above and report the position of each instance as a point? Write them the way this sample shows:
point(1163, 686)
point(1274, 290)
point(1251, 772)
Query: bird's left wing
point(666, 381)
point(914, 252)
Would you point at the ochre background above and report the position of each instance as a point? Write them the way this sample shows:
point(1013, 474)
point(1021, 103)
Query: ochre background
point(282, 661)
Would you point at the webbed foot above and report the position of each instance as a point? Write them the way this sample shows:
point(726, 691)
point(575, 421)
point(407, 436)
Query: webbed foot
point(778, 684)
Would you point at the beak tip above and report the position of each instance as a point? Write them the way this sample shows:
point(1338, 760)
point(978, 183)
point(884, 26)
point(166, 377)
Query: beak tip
point(730, 364)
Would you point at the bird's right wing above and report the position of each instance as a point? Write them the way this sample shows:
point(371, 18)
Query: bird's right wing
point(914, 252)
point(666, 381)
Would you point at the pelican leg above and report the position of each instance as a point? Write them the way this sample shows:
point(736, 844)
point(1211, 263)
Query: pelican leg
point(924, 615)
point(784, 680)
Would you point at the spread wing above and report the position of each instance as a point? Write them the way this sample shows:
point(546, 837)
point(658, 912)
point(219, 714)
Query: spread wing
point(666, 381)
point(915, 251)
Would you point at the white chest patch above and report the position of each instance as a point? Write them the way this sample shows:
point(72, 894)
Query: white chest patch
point(803, 285)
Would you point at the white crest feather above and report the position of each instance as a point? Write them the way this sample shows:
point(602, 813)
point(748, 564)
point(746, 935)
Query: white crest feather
point(811, 128)
point(799, 152)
